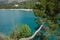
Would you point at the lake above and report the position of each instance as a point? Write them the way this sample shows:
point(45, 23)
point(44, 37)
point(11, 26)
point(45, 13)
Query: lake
point(9, 18)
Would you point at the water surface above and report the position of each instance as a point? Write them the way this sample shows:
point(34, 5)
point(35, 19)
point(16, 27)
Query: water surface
point(9, 18)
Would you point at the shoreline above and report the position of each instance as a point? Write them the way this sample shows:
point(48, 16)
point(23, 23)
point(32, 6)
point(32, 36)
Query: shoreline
point(18, 9)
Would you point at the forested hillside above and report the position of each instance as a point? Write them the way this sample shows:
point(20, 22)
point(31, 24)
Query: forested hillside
point(25, 4)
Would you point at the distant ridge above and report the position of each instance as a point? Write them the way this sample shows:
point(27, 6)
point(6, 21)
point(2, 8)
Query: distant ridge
point(14, 1)
point(22, 4)
point(10, 1)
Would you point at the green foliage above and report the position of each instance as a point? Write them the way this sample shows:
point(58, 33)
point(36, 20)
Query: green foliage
point(22, 5)
point(57, 17)
point(21, 31)
point(24, 29)
point(49, 11)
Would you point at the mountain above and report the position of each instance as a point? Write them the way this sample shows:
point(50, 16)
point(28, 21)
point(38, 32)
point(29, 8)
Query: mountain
point(10, 1)
point(8, 4)
point(18, 1)
point(14, 1)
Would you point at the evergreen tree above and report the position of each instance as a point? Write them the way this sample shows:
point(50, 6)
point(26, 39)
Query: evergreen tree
point(48, 11)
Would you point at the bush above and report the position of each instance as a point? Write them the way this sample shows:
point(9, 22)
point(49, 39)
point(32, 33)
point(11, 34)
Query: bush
point(21, 31)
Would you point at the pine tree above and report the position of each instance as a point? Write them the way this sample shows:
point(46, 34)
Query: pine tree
point(48, 11)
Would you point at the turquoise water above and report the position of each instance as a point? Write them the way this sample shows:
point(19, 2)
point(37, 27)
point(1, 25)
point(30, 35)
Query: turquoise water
point(9, 18)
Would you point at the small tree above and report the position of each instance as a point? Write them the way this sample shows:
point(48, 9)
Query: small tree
point(21, 31)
